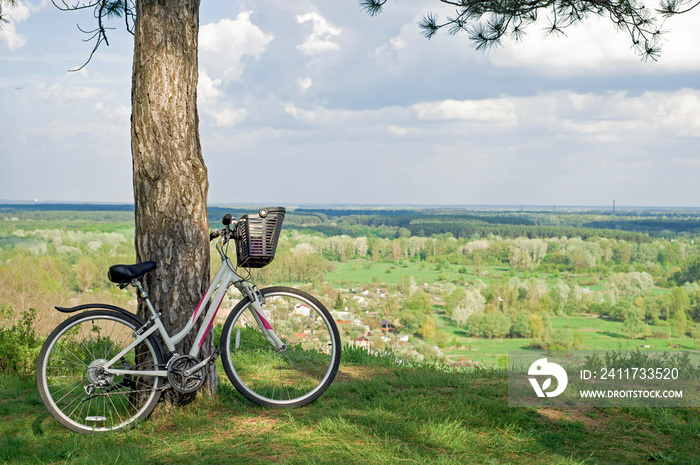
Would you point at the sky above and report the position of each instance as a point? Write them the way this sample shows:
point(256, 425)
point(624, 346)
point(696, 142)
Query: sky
point(316, 102)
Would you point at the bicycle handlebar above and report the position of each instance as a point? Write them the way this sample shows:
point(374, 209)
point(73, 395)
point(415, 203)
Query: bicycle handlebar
point(227, 231)
point(214, 233)
point(227, 221)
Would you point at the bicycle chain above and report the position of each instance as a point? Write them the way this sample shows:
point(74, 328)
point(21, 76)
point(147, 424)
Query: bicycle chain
point(108, 393)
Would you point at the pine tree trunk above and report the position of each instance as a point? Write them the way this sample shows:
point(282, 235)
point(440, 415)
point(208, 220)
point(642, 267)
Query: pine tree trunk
point(170, 177)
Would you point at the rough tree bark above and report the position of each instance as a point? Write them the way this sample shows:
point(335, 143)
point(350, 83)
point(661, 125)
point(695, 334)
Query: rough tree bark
point(170, 177)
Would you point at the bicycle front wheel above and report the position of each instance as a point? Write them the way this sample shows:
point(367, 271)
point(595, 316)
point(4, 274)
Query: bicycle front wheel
point(72, 381)
point(292, 377)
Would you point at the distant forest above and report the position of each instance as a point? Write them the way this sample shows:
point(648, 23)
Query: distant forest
point(635, 226)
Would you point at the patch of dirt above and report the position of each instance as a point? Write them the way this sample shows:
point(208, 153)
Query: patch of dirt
point(257, 425)
point(585, 415)
point(354, 372)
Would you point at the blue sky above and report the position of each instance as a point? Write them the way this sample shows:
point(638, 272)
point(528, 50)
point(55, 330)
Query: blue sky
point(323, 104)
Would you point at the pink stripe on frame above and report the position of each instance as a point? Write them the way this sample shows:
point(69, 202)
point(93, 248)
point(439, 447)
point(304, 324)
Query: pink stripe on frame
point(209, 327)
point(201, 302)
point(264, 321)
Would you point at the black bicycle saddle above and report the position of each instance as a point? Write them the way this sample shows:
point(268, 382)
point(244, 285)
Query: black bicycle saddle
point(121, 274)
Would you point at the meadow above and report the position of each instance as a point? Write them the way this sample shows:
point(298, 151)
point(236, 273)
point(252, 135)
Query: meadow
point(374, 413)
point(55, 257)
point(384, 407)
point(598, 333)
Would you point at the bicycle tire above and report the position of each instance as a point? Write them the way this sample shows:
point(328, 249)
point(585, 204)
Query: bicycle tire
point(73, 388)
point(291, 378)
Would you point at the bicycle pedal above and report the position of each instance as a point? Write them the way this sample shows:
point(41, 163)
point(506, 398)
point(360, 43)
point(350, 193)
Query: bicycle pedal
point(214, 356)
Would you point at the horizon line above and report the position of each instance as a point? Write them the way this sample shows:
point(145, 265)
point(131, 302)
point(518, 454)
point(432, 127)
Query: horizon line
point(302, 205)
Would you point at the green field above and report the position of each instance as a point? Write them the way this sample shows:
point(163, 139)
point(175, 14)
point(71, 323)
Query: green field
point(599, 335)
point(372, 414)
point(383, 407)
point(360, 272)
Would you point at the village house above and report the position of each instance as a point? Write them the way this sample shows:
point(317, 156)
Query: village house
point(388, 327)
point(362, 342)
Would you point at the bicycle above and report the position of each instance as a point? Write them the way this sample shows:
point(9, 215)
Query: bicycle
point(105, 369)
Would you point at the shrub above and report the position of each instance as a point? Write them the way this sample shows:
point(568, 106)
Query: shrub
point(695, 332)
point(441, 338)
point(562, 339)
point(20, 346)
point(659, 334)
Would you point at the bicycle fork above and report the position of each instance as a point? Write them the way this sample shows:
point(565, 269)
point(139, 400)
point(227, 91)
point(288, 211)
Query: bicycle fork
point(256, 301)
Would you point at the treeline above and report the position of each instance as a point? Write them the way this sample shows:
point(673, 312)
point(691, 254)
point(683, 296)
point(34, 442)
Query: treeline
point(423, 222)
point(557, 254)
point(460, 229)
point(76, 219)
point(460, 226)
point(425, 228)
point(66, 207)
point(635, 226)
point(650, 226)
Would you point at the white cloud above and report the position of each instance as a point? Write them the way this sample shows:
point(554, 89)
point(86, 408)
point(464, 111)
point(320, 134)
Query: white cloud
point(400, 131)
point(228, 117)
point(8, 32)
point(680, 113)
point(319, 41)
point(615, 115)
point(597, 45)
point(343, 119)
point(304, 83)
point(612, 129)
point(207, 89)
point(500, 111)
point(59, 95)
point(120, 114)
point(395, 43)
point(211, 102)
point(223, 45)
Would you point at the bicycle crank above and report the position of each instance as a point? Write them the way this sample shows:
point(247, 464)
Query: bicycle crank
point(181, 375)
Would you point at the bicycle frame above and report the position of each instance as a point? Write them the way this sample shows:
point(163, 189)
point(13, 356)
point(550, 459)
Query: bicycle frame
point(225, 277)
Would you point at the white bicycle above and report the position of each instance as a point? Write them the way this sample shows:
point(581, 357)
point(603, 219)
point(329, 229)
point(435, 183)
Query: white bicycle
point(104, 369)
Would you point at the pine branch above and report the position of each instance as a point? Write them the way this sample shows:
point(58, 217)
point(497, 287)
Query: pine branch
point(372, 7)
point(4, 4)
point(103, 10)
point(488, 22)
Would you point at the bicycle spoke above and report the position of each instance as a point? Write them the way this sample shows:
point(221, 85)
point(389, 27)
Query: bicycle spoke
point(73, 360)
point(294, 376)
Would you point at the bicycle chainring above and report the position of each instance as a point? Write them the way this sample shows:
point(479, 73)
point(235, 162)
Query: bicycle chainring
point(176, 374)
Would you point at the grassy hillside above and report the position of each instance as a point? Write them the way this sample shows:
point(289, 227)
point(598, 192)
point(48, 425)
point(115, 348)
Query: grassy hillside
point(374, 413)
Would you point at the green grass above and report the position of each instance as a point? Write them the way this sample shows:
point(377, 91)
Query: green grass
point(360, 272)
point(599, 335)
point(372, 414)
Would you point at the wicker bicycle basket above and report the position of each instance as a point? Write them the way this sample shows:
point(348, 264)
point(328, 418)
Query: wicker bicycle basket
point(257, 237)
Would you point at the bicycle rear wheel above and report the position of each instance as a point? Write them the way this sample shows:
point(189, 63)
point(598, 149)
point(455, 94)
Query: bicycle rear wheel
point(294, 376)
point(71, 378)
